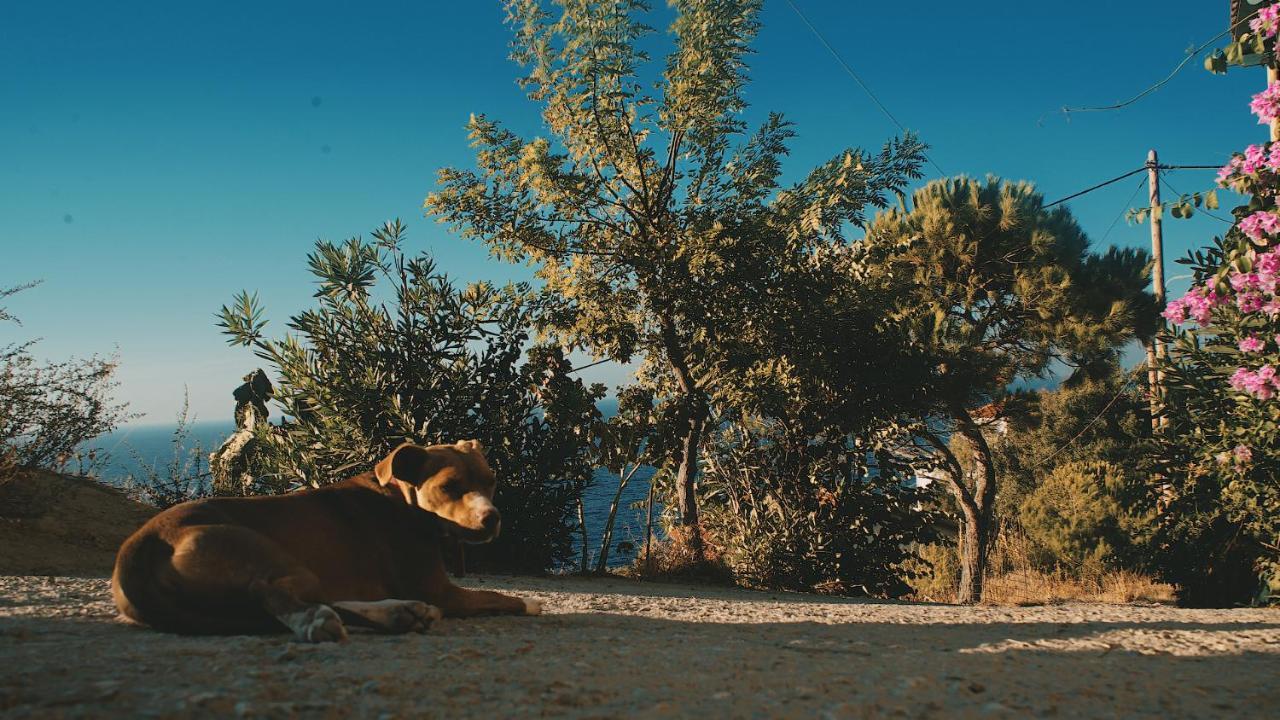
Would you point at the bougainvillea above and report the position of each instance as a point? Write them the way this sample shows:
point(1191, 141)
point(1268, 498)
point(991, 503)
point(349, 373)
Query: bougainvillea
point(1266, 104)
point(1220, 453)
point(1266, 21)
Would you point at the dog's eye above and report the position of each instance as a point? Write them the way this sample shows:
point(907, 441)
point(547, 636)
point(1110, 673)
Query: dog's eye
point(451, 487)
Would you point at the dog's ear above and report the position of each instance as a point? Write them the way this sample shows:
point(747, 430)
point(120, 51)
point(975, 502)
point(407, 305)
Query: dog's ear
point(409, 463)
point(469, 446)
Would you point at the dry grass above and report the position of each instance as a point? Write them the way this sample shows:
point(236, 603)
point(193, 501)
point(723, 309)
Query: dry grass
point(1018, 573)
point(674, 559)
point(1035, 587)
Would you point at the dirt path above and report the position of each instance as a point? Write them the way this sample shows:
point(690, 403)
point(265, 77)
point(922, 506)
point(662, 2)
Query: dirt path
point(611, 648)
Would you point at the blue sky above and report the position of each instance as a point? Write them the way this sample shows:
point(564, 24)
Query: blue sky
point(155, 158)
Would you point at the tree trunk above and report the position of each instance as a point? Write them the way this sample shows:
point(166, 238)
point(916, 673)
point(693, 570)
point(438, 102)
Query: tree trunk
point(975, 535)
point(648, 528)
point(686, 474)
point(972, 538)
point(582, 527)
point(606, 537)
point(695, 409)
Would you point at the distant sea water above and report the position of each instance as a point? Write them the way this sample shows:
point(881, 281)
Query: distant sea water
point(132, 450)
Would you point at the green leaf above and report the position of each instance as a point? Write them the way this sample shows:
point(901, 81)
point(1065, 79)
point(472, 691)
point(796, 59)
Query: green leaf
point(1216, 63)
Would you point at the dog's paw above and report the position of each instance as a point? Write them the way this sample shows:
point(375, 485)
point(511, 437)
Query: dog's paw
point(532, 607)
point(413, 616)
point(316, 624)
point(392, 616)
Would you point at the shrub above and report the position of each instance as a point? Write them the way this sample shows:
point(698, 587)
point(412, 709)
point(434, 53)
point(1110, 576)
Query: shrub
point(809, 515)
point(437, 364)
point(183, 477)
point(1080, 515)
point(48, 410)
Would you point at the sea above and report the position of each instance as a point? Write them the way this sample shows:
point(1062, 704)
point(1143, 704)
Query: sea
point(132, 451)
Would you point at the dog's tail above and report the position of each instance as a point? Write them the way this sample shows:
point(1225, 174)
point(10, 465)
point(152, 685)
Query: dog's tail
point(147, 591)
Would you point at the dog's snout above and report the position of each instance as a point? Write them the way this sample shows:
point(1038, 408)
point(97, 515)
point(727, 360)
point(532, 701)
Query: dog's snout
point(490, 519)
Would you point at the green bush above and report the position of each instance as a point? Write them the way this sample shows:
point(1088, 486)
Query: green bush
point(1082, 514)
point(809, 516)
point(357, 376)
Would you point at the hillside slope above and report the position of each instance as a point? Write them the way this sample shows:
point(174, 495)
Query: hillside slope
point(54, 524)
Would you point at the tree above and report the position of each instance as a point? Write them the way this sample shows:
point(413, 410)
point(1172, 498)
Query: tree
point(438, 363)
point(647, 217)
point(995, 288)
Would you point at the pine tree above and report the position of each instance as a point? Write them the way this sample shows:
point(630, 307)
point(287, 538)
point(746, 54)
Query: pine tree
point(995, 288)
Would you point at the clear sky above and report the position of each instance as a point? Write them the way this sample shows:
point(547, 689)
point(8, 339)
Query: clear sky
point(157, 157)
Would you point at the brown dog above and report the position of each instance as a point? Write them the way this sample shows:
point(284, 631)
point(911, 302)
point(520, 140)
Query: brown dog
point(365, 551)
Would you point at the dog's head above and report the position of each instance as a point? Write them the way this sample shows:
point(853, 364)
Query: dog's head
point(452, 481)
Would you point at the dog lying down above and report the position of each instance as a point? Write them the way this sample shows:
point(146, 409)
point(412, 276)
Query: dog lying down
point(364, 551)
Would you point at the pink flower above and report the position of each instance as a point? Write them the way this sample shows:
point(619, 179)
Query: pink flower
point(1229, 174)
point(1199, 301)
point(1241, 378)
point(1225, 173)
point(1259, 225)
point(1260, 384)
point(1243, 454)
point(1267, 282)
point(1243, 281)
point(1266, 104)
point(1267, 263)
point(1273, 158)
point(1266, 21)
point(1272, 308)
point(1264, 382)
point(1249, 302)
point(1255, 159)
point(1251, 344)
point(1175, 312)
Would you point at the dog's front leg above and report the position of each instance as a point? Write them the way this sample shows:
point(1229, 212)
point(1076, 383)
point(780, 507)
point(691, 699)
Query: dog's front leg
point(461, 602)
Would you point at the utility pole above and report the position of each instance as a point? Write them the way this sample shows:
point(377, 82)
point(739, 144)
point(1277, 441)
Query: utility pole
point(1272, 76)
point(1155, 349)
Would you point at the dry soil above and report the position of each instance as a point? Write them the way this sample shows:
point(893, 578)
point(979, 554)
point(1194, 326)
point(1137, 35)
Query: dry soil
point(611, 648)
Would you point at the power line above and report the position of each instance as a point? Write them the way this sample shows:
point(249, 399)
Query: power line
point(1127, 204)
point(1102, 184)
point(1190, 56)
point(855, 77)
point(1124, 386)
point(1118, 178)
point(1206, 212)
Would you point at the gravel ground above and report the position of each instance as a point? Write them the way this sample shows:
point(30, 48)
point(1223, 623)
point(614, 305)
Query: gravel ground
point(610, 648)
